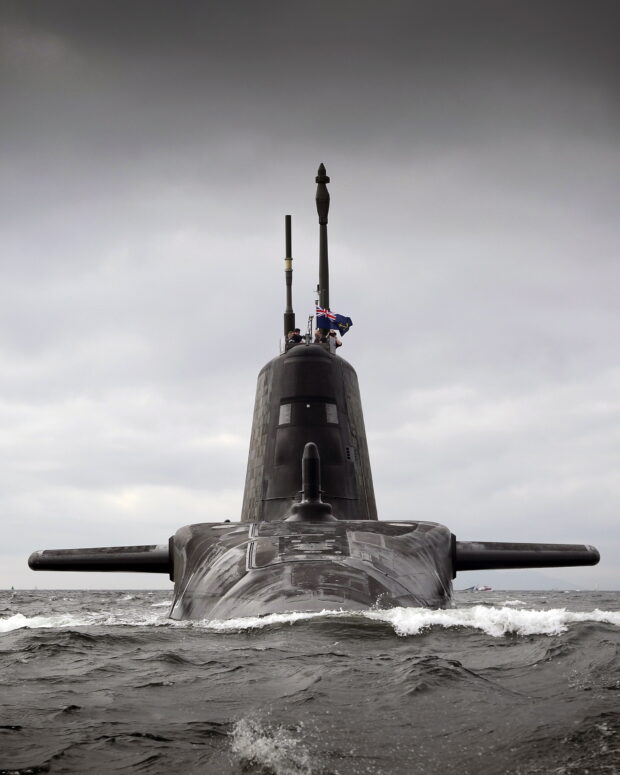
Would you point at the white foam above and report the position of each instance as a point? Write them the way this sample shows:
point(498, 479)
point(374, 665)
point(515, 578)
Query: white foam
point(69, 621)
point(18, 621)
point(155, 619)
point(257, 622)
point(513, 602)
point(273, 748)
point(493, 620)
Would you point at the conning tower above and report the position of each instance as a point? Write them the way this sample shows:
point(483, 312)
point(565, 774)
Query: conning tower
point(308, 394)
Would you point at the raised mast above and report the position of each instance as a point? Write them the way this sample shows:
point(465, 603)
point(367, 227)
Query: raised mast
point(322, 208)
point(289, 315)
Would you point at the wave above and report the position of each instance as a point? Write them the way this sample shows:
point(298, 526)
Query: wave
point(492, 620)
point(62, 621)
point(268, 620)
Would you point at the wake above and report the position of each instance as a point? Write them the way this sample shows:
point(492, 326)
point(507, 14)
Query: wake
point(495, 621)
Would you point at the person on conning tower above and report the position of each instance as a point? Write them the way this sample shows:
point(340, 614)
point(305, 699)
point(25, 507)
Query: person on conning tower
point(334, 341)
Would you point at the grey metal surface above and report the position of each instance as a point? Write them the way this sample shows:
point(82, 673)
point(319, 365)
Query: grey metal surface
point(154, 558)
point(318, 387)
point(289, 315)
point(483, 555)
point(322, 208)
point(228, 570)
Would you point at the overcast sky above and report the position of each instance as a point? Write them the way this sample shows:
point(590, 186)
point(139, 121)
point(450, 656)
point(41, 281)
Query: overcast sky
point(149, 152)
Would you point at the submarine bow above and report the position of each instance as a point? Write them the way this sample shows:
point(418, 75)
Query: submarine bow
point(309, 537)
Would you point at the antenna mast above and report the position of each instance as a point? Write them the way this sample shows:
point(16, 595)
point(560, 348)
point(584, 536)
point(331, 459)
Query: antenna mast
point(289, 315)
point(322, 208)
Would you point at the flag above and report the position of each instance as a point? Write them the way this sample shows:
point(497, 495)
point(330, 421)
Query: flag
point(343, 323)
point(327, 319)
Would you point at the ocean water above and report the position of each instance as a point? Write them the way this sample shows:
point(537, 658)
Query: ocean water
point(506, 682)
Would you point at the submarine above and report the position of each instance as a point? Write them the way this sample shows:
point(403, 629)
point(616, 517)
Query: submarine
point(309, 537)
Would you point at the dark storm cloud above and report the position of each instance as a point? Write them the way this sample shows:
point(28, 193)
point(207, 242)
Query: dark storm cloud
point(204, 68)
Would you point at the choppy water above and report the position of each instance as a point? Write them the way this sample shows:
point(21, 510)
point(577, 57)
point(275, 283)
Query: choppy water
point(102, 682)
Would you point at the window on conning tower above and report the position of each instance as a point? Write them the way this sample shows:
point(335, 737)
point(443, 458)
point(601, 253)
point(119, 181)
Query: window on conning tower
point(308, 412)
point(331, 413)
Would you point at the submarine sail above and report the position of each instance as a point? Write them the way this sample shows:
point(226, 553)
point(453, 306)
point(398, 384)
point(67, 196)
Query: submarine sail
point(308, 394)
point(309, 537)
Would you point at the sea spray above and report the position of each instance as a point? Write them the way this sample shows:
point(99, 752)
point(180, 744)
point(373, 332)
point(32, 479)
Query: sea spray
point(274, 749)
point(495, 621)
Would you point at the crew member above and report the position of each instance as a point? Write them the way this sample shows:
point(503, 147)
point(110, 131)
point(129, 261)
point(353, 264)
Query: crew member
point(334, 341)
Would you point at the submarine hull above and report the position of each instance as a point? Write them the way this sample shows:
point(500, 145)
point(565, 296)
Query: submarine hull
point(224, 570)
